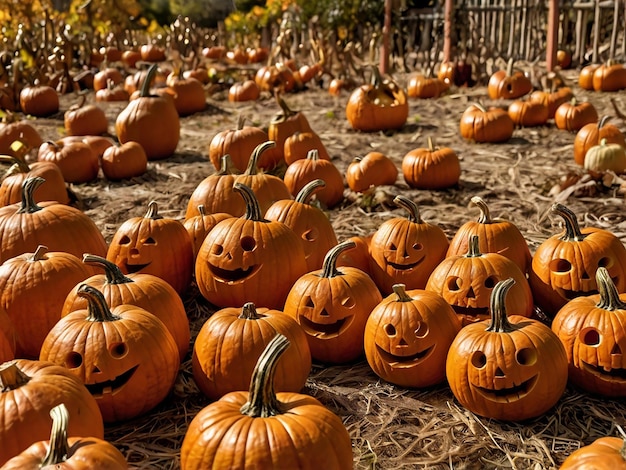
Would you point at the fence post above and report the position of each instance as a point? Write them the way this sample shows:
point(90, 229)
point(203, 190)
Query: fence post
point(553, 30)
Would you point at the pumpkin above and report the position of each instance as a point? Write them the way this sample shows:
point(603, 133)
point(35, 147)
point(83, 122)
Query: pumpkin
point(150, 120)
point(39, 100)
point(510, 367)
point(199, 225)
point(124, 161)
point(563, 58)
point(424, 87)
point(152, 53)
point(237, 336)
point(216, 194)
point(332, 305)
point(240, 143)
point(154, 245)
point(606, 157)
point(113, 93)
point(52, 189)
point(573, 115)
point(284, 124)
point(249, 259)
point(188, 93)
point(591, 134)
point(50, 275)
point(142, 290)
point(486, 125)
point(61, 451)
point(339, 84)
point(103, 77)
point(495, 236)
point(377, 106)
point(261, 423)
point(407, 337)
point(98, 143)
point(467, 281)
point(302, 172)
point(267, 188)
point(124, 355)
point(77, 161)
point(552, 99)
point(593, 331)
point(373, 169)
point(81, 119)
point(277, 78)
point(610, 76)
point(247, 90)
point(585, 78)
point(309, 222)
point(564, 266)
point(431, 168)
point(12, 129)
point(28, 391)
point(359, 256)
point(298, 145)
point(7, 337)
point(527, 113)
point(605, 453)
point(26, 225)
point(130, 57)
point(508, 83)
point(405, 249)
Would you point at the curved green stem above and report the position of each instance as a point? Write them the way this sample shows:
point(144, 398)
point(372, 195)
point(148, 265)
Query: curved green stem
point(329, 266)
point(499, 319)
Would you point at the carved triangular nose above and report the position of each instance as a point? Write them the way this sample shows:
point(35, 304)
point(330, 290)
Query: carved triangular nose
point(471, 294)
point(616, 349)
point(585, 275)
point(499, 372)
point(402, 342)
point(324, 313)
point(96, 370)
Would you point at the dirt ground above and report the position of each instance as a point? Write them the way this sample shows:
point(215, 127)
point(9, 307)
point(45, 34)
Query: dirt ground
point(391, 427)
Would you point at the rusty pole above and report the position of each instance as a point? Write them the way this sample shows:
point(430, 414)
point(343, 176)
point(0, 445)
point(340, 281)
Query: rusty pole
point(447, 31)
point(553, 32)
point(384, 50)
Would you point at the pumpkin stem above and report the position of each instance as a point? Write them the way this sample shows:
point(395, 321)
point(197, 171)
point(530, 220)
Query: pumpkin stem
point(572, 229)
point(253, 210)
point(509, 67)
point(29, 206)
point(308, 189)
point(400, 291)
point(313, 154)
point(376, 78)
point(98, 308)
point(473, 249)
point(241, 120)
point(609, 296)
point(39, 253)
point(112, 271)
point(410, 206)
point(287, 112)
point(58, 448)
point(227, 166)
point(485, 216)
point(18, 164)
point(248, 312)
point(499, 319)
point(431, 145)
point(201, 210)
point(603, 121)
point(145, 86)
point(12, 377)
point(480, 107)
point(252, 168)
point(329, 266)
point(153, 211)
point(262, 401)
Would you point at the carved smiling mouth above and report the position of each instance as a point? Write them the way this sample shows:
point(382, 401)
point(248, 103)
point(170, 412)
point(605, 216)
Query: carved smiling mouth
point(134, 268)
point(111, 386)
point(471, 314)
point(506, 395)
point(232, 275)
point(405, 267)
point(403, 362)
point(572, 294)
point(599, 371)
point(324, 330)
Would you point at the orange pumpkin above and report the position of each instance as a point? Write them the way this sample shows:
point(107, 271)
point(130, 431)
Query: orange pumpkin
point(77, 161)
point(585, 78)
point(81, 119)
point(552, 99)
point(508, 83)
point(431, 168)
point(124, 161)
point(199, 225)
point(302, 172)
point(528, 113)
point(610, 76)
point(374, 169)
point(298, 145)
point(573, 115)
point(246, 90)
point(188, 93)
point(39, 100)
point(605, 453)
point(591, 134)
point(284, 124)
point(486, 125)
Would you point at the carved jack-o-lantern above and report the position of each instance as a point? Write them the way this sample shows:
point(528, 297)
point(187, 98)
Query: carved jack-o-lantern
point(564, 266)
point(510, 368)
point(332, 305)
point(466, 282)
point(593, 331)
point(126, 356)
point(407, 337)
point(249, 259)
point(154, 245)
point(406, 250)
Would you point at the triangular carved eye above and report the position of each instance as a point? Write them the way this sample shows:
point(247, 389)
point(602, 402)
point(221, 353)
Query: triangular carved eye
point(309, 302)
point(616, 349)
point(125, 240)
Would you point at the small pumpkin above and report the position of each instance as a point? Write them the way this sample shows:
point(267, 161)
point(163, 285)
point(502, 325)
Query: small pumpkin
point(188, 93)
point(424, 87)
point(606, 157)
point(610, 76)
point(552, 99)
point(298, 145)
point(605, 453)
point(302, 172)
point(377, 106)
point(284, 124)
point(125, 356)
point(585, 78)
point(199, 225)
point(246, 90)
point(373, 169)
point(527, 113)
point(82, 119)
point(510, 367)
point(77, 161)
point(107, 75)
point(573, 115)
point(407, 337)
point(13, 129)
point(591, 134)
point(39, 100)
point(61, 451)
point(486, 125)
point(431, 168)
point(238, 335)
point(259, 423)
point(124, 161)
point(508, 83)
point(332, 305)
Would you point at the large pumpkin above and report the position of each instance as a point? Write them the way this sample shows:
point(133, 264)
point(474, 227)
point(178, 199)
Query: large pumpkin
point(125, 356)
point(431, 167)
point(154, 245)
point(332, 305)
point(265, 429)
point(508, 83)
point(564, 266)
point(249, 259)
point(407, 337)
point(510, 368)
